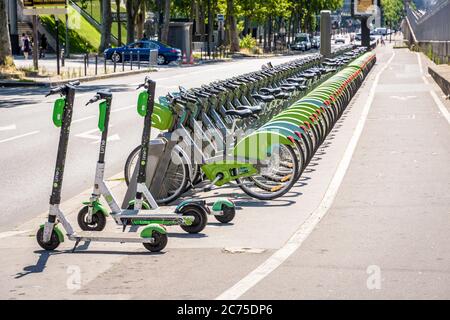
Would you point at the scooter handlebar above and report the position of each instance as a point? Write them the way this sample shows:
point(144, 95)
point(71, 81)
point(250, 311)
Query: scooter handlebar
point(94, 99)
point(62, 88)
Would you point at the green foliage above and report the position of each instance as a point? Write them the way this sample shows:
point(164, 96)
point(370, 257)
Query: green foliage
point(83, 37)
point(393, 11)
point(247, 42)
point(92, 8)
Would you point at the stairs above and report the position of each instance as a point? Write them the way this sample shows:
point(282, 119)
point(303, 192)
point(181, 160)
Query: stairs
point(24, 27)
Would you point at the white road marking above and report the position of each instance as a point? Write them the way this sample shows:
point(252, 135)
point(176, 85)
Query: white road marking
point(20, 136)
point(114, 137)
point(123, 108)
point(282, 254)
point(10, 127)
point(89, 135)
point(83, 119)
point(7, 234)
point(403, 98)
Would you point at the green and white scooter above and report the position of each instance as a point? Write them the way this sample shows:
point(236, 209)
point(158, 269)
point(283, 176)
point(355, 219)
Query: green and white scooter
point(49, 235)
point(190, 215)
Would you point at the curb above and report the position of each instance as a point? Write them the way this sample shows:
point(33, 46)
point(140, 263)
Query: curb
point(441, 74)
point(12, 83)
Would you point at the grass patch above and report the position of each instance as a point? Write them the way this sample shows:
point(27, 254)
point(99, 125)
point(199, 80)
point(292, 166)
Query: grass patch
point(92, 8)
point(83, 37)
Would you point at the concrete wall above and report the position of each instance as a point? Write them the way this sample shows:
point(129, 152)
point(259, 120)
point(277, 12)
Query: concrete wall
point(429, 33)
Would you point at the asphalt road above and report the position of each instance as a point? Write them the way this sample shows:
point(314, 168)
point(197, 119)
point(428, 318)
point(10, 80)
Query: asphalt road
point(368, 219)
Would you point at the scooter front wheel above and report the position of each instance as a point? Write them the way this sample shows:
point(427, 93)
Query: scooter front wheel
point(159, 243)
point(200, 219)
point(97, 223)
point(52, 244)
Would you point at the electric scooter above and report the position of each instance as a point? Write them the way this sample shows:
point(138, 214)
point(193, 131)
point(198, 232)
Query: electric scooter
point(190, 215)
point(49, 235)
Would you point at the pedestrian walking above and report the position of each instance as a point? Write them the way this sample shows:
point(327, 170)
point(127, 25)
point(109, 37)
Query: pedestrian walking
point(382, 41)
point(26, 45)
point(44, 45)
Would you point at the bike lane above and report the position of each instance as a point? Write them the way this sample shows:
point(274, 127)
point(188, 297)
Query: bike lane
point(385, 234)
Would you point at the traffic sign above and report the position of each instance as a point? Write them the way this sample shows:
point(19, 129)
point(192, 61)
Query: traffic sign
point(364, 7)
point(38, 11)
point(43, 3)
point(220, 17)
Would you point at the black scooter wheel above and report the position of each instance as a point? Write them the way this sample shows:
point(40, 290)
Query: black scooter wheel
point(98, 222)
point(227, 216)
point(52, 244)
point(200, 219)
point(159, 244)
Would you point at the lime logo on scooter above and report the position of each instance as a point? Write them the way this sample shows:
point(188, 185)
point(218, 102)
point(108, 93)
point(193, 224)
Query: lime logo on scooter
point(58, 111)
point(142, 103)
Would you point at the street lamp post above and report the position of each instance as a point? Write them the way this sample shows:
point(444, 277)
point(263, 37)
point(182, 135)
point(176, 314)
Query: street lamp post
point(57, 45)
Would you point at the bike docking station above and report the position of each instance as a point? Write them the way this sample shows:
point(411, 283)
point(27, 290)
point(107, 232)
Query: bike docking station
point(161, 151)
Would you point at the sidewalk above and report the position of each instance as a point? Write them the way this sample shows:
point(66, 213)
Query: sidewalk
point(386, 233)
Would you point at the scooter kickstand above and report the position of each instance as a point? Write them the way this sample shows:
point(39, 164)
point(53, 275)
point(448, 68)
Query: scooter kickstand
point(75, 246)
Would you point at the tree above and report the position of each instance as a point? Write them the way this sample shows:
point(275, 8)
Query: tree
point(165, 26)
point(5, 49)
point(119, 23)
point(132, 7)
point(105, 40)
point(393, 11)
point(232, 31)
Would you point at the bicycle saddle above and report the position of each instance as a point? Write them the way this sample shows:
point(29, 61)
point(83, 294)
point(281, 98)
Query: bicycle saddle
point(271, 91)
point(263, 98)
point(254, 109)
point(241, 113)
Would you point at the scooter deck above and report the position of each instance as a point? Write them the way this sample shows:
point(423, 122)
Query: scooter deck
point(108, 237)
point(148, 214)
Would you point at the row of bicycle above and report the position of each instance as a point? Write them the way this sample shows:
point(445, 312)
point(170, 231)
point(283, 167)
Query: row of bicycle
point(244, 130)
point(207, 123)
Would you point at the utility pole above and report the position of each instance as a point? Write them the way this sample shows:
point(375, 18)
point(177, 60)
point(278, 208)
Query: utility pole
point(67, 53)
point(210, 27)
point(57, 45)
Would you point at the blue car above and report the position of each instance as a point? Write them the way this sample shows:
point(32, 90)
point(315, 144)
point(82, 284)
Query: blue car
point(166, 54)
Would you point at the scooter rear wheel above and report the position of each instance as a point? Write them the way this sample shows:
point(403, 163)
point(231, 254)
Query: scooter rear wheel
point(227, 216)
point(159, 244)
point(200, 219)
point(52, 244)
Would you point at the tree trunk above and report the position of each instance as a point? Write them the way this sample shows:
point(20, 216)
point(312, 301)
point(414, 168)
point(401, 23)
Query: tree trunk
point(202, 21)
point(105, 40)
point(165, 26)
point(119, 24)
point(140, 21)
point(5, 49)
point(233, 36)
point(132, 7)
point(130, 21)
point(246, 26)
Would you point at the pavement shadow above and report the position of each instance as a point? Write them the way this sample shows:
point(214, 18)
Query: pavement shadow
point(16, 97)
point(40, 265)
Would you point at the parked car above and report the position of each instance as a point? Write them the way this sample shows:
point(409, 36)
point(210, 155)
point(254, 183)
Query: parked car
point(166, 54)
point(301, 42)
point(339, 39)
point(358, 37)
point(315, 42)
